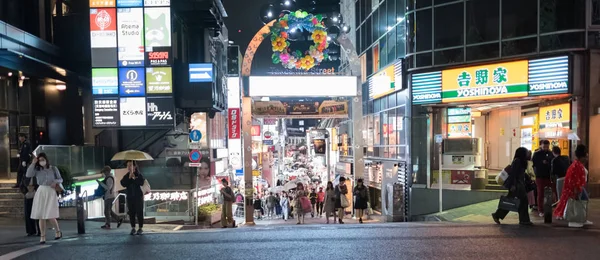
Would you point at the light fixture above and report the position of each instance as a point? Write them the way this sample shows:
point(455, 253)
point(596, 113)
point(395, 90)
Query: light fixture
point(335, 19)
point(230, 42)
point(328, 38)
point(389, 28)
point(10, 74)
point(61, 87)
point(287, 2)
point(22, 77)
point(345, 28)
point(270, 14)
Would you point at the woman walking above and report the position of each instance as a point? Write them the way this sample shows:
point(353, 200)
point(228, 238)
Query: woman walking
point(45, 200)
point(341, 202)
point(329, 202)
point(301, 195)
point(362, 198)
point(285, 206)
point(133, 182)
point(516, 182)
point(574, 185)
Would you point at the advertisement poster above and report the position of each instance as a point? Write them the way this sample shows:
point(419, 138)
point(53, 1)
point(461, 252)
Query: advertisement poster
point(327, 108)
point(157, 2)
point(459, 130)
point(130, 37)
point(102, 3)
point(461, 177)
point(159, 57)
point(133, 111)
point(319, 145)
point(132, 82)
point(105, 81)
point(234, 123)
point(106, 112)
point(159, 81)
point(158, 27)
point(103, 37)
point(130, 3)
point(159, 111)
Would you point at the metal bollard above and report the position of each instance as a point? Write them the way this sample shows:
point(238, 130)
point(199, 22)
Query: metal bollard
point(80, 211)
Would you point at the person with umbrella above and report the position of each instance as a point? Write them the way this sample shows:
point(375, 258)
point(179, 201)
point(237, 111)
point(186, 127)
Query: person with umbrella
point(133, 182)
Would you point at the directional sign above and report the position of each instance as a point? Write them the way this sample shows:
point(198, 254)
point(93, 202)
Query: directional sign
point(201, 72)
point(195, 135)
point(195, 156)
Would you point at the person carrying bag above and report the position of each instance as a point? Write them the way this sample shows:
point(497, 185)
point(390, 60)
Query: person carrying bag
point(516, 200)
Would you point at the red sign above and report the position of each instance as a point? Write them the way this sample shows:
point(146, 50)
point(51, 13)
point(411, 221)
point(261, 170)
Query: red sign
point(195, 156)
point(159, 57)
point(255, 130)
point(234, 123)
point(461, 177)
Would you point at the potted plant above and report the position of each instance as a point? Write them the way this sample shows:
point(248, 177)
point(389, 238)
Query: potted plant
point(209, 213)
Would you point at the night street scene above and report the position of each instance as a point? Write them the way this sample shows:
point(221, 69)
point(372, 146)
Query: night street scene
point(300, 129)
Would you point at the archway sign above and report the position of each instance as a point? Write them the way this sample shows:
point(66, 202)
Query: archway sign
point(354, 65)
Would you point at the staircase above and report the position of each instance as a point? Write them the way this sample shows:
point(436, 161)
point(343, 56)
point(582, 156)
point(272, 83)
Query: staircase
point(492, 184)
point(11, 201)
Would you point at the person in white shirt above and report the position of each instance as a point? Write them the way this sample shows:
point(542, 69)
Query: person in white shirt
point(109, 196)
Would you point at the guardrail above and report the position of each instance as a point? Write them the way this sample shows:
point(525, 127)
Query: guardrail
point(79, 159)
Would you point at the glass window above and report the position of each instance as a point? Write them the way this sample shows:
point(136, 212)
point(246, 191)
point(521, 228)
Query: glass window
point(369, 62)
point(595, 10)
point(439, 2)
point(519, 18)
point(483, 20)
point(392, 98)
point(377, 105)
point(423, 59)
point(391, 14)
point(3, 86)
point(376, 129)
point(481, 52)
point(382, 27)
point(375, 19)
point(423, 30)
point(367, 7)
point(400, 125)
point(518, 47)
point(369, 33)
point(411, 35)
point(558, 15)
point(369, 130)
point(448, 26)
point(400, 41)
point(365, 129)
point(391, 46)
point(385, 128)
point(562, 41)
point(392, 128)
point(359, 47)
point(400, 9)
point(448, 56)
point(422, 3)
point(357, 14)
point(382, 53)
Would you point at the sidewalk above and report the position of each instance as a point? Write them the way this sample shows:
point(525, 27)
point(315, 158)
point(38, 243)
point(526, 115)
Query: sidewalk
point(307, 220)
point(481, 213)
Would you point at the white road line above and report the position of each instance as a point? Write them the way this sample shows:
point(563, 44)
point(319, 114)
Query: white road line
point(23, 251)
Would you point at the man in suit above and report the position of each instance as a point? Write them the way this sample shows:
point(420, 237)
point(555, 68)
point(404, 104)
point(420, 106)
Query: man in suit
point(24, 156)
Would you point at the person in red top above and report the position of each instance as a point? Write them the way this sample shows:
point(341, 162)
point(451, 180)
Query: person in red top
point(320, 201)
point(574, 186)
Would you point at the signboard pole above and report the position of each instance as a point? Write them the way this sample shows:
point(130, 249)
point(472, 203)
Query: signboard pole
point(196, 198)
point(439, 139)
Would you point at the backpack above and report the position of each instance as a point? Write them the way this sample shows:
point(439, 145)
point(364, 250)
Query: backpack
point(101, 191)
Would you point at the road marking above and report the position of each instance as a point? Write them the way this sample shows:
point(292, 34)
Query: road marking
point(23, 251)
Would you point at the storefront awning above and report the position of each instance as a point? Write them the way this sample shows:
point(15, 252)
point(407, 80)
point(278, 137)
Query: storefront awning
point(34, 67)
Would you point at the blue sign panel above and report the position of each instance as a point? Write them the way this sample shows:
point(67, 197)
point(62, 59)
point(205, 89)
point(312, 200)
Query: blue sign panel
point(239, 172)
point(201, 72)
point(132, 82)
point(268, 142)
point(549, 76)
point(195, 156)
point(130, 3)
point(427, 88)
point(195, 135)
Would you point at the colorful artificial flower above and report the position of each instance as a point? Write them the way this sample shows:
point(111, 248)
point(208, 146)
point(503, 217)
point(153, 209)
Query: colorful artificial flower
point(319, 36)
point(316, 54)
point(284, 23)
point(284, 35)
point(307, 62)
point(279, 44)
point(315, 21)
point(284, 57)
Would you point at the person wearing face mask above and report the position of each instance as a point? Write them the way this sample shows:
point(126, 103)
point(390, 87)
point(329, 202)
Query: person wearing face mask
point(362, 198)
point(133, 182)
point(45, 200)
point(285, 206)
point(109, 196)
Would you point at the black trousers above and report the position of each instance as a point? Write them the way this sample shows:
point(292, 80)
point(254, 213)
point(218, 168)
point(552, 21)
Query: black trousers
point(523, 209)
point(136, 210)
point(320, 208)
point(31, 225)
point(21, 174)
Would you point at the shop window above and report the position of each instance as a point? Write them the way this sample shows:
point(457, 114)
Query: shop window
point(392, 98)
point(483, 20)
point(482, 52)
point(519, 18)
point(562, 41)
point(385, 128)
point(423, 59)
point(391, 46)
point(400, 127)
point(400, 41)
point(370, 131)
point(558, 15)
point(519, 47)
point(595, 12)
point(423, 30)
point(391, 14)
point(392, 128)
point(449, 56)
point(449, 29)
point(377, 129)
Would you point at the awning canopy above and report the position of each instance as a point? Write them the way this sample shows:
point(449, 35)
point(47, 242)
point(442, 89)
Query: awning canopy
point(31, 66)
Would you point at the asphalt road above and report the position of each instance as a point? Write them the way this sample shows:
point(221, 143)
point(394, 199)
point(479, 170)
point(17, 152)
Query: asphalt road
point(368, 241)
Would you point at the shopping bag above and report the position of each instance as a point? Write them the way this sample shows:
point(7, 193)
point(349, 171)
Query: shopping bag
point(344, 201)
point(306, 205)
point(146, 187)
point(531, 198)
point(576, 211)
point(370, 211)
point(508, 203)
point(500, 178)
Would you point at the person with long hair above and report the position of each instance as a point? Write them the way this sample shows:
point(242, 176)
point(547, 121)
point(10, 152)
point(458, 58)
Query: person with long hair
point(516, 182)
point(285, 206)
point(340, 190)
point(133, 182)
point(361, 192)
point(574, 185)
point(300, 195)
point(329, 202)
point(45, 200)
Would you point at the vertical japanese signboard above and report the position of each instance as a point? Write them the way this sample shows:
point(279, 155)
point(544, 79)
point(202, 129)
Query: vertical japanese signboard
point(130, 37)
point(234, 123)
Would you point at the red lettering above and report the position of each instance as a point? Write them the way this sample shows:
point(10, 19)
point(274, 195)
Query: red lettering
point(158, 55)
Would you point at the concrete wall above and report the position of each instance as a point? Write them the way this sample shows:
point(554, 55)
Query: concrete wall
point(425, 201)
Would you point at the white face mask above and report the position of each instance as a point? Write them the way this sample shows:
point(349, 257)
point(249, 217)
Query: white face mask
point(43, 163)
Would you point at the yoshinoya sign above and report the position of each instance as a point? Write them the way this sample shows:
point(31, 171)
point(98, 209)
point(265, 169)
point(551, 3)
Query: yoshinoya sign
point(427, 87)
point(493, 81)
point(549, 76)
point(159, 111)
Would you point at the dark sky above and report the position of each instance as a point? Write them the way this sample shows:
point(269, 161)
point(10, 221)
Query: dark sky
point(244, 16)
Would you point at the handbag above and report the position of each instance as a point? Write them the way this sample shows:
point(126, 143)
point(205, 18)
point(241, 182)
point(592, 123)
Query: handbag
point(344, 201)
point(576, 211)
point(146, 187)
point(30, 194)
point(509, 203)
point(370, 209)
point(59, 188)
point(501, 178)
point(306, 205)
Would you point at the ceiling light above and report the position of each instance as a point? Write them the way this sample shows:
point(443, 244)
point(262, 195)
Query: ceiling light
point(328, 38)
point(22, 77)
point(10, 74)
point(61, 87)
point(269, 14)
point(287, 2)
point(335, 19)
point(345, 28)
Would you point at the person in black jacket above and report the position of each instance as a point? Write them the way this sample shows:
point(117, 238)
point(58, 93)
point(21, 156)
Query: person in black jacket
point(133, 182)
point(517, 188)
point(28, 188)
point(558, 169)
point(541, 166)
point(24, 158)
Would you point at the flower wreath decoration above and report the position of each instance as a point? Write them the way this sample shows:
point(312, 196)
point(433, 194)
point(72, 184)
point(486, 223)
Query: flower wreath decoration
point(304, 21)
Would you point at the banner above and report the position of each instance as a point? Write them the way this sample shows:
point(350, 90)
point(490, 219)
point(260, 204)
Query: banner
point(159, 111)
point(234, 123)
point(130, 37)
point(133, 111)
point(328, 108)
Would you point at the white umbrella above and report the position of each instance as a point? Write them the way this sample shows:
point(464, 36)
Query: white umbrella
point(290, 185)
point(277, 189)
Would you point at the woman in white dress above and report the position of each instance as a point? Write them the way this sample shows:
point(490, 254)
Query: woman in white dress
point(45, 202)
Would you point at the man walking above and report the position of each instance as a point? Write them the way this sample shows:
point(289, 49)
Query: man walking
point(541, 166)
point(109, 196)
point(24, 156)
point(227, 210)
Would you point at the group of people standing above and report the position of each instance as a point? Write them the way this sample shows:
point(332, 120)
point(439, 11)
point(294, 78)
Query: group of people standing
point(529, 175)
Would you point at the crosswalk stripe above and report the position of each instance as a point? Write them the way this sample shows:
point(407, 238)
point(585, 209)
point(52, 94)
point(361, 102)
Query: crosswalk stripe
point(24, 251)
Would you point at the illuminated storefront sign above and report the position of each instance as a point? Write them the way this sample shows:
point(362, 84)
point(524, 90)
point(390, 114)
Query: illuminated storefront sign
point(102, 3)
point(386, 81)
point(555, 116)
point(549, 76)
point(157, 2)
point(129, 3)
point(166, 196)
point(157, 27)
point(234, 123)
point(130, 36)
point(106, 112)
point(159, 111)
point(132, 82)
point(133, 111)
point(427, 88)
point(493, 81)
point(105, 81)
point(159, 80)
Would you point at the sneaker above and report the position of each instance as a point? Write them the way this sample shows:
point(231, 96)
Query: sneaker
point(132, 232)
point(541, 215)
point(105, 227)
point(575, 225)
point(119, 222)
point(588, 223)
point(140, 232)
